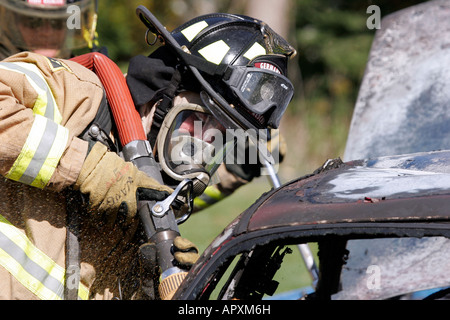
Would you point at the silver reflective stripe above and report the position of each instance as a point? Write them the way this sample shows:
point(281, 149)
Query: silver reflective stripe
point(32, 268)
point(41, 153)
point(35, 166)
point(47, 140)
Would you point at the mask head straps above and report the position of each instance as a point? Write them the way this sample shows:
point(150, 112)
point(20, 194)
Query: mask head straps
point(163, 106)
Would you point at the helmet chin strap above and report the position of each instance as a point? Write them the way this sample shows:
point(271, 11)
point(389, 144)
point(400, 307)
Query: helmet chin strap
point(163, 106)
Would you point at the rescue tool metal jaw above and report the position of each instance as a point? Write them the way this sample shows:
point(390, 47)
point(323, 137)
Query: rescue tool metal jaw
point(162, 207)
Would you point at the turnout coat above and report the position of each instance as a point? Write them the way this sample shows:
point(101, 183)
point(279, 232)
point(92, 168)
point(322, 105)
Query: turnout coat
point(45, 104)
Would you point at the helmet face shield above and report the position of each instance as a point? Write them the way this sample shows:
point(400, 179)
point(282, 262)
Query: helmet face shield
point(193, 142)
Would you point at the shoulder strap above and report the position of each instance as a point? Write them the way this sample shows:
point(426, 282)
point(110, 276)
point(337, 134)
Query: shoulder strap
point(163, 106)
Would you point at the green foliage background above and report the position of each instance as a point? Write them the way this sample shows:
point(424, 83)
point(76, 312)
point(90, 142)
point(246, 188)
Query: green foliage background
point(333, 43)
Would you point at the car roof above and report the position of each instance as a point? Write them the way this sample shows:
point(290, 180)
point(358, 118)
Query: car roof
point(413, 187)
point(398, 196)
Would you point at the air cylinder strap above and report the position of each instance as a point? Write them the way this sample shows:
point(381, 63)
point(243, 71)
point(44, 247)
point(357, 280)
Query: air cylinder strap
point(163, 107)
point(73, 267)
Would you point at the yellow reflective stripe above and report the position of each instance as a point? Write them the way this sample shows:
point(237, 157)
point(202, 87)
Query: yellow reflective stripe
point(30, 266)
point(209, 197)
point(192, 31)
point(214, 193)
point(45, 104)
point(199, 203)
point(34, 166)
point(47, 139)
point(83, 292)
point(254, 51)
point(40, 154)
point(215, 52)
point(25, 278)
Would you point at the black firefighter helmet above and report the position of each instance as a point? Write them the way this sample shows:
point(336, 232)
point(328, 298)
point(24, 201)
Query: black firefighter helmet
point(240, 64)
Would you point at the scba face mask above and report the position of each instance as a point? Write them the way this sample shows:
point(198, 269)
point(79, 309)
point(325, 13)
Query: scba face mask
point(192, 144)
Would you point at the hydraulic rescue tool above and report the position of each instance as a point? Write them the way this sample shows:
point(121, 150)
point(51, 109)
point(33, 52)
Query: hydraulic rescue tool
point(158, 219)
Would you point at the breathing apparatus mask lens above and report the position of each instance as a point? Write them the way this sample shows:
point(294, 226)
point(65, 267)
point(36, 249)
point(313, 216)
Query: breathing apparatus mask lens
point(192, 144)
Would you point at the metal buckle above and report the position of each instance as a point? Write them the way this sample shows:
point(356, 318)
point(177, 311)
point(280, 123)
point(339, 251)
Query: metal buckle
point(161, 207)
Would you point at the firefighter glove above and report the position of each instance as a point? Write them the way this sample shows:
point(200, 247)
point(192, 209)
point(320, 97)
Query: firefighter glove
point(251, 169)
point(113, 184)
point(185, 252)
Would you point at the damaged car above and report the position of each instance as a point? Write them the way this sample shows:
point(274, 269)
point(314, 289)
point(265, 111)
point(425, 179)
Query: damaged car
point(382, 224)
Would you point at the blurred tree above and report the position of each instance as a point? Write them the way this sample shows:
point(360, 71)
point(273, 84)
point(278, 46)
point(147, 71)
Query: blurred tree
point(121, 31)
point(123, 34)
point(334, 43)
point(276, 16)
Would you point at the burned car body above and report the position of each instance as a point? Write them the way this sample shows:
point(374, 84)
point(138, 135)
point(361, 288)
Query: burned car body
point(332, 206)
point(403, 101)
point(388, 214)
point(403, 107)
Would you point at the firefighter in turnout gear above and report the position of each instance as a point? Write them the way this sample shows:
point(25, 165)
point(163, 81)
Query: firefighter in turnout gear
point(44, 26)
point(68, 219)
point(46, 105)
point(224, 50)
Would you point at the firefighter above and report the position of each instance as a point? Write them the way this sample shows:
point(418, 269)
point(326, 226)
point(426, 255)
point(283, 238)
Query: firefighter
point(229, 42)
point(61, 182)
point(53, 28)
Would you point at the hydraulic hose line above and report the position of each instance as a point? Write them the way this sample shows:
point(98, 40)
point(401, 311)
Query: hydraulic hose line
point(162, 229)
point(126, 117)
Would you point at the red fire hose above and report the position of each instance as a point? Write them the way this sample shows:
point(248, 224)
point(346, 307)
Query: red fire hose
point(125, 115)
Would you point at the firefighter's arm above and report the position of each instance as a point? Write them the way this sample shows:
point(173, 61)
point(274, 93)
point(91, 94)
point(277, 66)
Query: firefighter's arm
point(114, 184)
point(38, 148)
point(233, 176)
point(39, 151)
point(35, 147)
